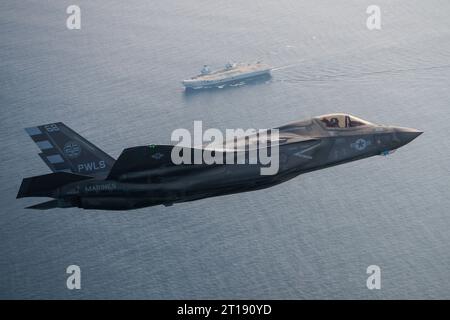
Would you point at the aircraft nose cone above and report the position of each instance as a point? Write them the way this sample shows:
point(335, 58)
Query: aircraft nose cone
point(406, 135)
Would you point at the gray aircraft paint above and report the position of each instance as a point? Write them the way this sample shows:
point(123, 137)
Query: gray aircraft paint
point(145, 176)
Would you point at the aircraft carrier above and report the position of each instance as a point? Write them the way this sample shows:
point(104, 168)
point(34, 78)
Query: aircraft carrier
point(231, 73)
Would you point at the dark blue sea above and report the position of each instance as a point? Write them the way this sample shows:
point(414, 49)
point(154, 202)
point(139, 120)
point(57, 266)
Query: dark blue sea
point(117, 82)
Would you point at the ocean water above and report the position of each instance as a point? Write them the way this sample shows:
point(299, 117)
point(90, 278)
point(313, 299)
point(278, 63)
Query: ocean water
point(117, 82)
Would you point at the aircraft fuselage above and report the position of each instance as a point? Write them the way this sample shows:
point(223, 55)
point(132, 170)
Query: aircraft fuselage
point(321, 147)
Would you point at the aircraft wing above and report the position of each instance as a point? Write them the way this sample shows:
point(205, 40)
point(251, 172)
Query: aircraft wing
point(145, 158)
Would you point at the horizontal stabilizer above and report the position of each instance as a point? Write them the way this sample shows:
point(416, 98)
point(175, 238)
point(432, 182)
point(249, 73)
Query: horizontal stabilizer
point(45, 205)
point(43, 186)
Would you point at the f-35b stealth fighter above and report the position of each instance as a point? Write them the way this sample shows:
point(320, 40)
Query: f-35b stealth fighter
point(86, 177)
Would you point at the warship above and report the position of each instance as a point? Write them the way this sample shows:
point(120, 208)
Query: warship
point(232, 72)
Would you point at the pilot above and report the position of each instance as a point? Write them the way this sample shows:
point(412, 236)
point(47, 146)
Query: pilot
point(333, 123)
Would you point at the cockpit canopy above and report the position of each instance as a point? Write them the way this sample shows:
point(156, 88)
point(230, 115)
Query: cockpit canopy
point(342, 121)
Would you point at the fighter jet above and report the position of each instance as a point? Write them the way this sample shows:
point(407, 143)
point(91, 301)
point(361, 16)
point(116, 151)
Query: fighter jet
point(86, 177)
